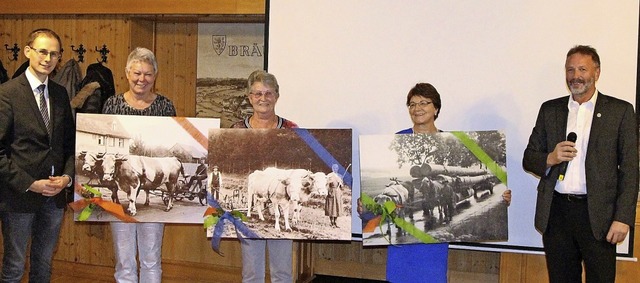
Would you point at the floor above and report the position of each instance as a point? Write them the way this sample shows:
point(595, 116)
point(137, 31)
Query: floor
point(333, 279)
point(458, 277)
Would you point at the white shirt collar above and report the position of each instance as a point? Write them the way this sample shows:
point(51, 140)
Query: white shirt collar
point(591, 103)
point(33, 81)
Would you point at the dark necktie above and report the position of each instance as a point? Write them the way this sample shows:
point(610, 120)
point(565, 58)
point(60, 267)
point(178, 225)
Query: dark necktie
point(44, 110)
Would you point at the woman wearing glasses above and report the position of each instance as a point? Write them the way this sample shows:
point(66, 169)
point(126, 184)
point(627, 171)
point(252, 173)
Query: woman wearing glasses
point(263, 96)
point(424, 104)
point(263, 92)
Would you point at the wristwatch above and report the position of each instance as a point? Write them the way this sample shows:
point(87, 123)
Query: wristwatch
point(70, 180)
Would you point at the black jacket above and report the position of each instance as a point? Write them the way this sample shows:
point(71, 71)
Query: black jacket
point(97, 72)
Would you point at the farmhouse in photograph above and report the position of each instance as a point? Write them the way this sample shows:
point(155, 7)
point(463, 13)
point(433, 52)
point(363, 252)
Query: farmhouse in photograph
point(105, 135)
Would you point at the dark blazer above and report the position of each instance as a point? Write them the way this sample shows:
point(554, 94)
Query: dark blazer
point(611, 163)
point(27, 153)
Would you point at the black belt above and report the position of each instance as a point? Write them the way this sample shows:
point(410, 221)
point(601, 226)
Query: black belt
point(570, 197)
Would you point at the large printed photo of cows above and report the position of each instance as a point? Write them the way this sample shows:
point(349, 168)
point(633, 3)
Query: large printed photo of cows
point(155, 167)
point(290, 183)
point(438, 184)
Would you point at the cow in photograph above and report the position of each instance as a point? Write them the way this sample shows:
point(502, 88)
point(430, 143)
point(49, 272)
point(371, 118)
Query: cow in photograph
point(398, 194)
point(282, 189)
point(320, 183)
point(132, 173)
point(313, 184)
point(91, 166)
point(410, 200)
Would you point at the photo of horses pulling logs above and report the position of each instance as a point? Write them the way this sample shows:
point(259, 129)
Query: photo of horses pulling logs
point(451, 203)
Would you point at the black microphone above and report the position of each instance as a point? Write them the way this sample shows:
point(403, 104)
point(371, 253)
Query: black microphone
point(572, 137)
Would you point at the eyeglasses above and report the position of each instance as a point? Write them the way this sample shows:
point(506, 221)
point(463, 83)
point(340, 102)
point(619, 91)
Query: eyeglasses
point(266, 94)
point(421, 104)
point(43, 53)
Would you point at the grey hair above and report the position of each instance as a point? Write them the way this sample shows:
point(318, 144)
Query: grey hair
point(141, 54)
point(265, 78)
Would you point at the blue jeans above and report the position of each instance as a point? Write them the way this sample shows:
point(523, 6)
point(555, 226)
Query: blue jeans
point(145, 241)
point(42, 228)
point(280, 260)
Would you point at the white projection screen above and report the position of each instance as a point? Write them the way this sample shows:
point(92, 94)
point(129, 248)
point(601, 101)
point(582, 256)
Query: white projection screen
point(350, 64)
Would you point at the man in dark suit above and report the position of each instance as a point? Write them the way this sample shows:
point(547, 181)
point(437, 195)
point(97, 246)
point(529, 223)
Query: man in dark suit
point(583, 213)
point(37, 137)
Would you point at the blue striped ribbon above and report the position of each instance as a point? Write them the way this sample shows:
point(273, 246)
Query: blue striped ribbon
point(323, 154)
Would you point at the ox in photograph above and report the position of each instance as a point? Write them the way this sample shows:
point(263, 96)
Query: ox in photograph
point(153, 166)
point(445, 187)
point(290, 183)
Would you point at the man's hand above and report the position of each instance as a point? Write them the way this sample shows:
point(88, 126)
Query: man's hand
point(506, 196)
point(50, 187)
point(617, 232)
point(39, 186)
point(564, 151)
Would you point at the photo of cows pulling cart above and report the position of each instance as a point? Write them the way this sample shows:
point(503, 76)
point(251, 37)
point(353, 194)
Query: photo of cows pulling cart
point(162, 176)
point(439, 191)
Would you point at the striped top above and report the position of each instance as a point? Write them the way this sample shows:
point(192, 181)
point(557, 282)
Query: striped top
point(161, 106)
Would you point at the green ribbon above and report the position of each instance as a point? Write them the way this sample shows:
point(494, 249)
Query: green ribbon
point(387, 212)
point(86, 212)
point(481, 155)
point(212, 219)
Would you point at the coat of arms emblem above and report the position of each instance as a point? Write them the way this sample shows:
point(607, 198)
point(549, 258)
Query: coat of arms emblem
point(219, 43)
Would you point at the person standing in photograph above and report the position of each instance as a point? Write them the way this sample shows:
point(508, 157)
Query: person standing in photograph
point(263, 92)
point(589, 186)
point(37, 145)
point(333, 202)
point(215, 179)
point(143, 239)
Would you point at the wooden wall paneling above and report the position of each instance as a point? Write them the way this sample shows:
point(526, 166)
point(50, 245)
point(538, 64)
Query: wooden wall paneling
point(142, 34)
point(10, 28)
point(176, 51)
point(535, 268)
point(85, 243)
point(303, 261)
point(474, 261)
point(115, 35)
point(349, 260)
point(512, 267)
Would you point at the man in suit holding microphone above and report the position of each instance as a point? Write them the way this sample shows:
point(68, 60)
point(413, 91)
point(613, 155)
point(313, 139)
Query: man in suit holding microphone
point(37, 137)
point(585, 211)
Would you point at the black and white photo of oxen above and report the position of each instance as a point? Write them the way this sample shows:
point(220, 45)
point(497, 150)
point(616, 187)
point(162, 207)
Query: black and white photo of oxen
point(282, 178)
point(134, 173)
point(145, 164)
point(438, 185)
